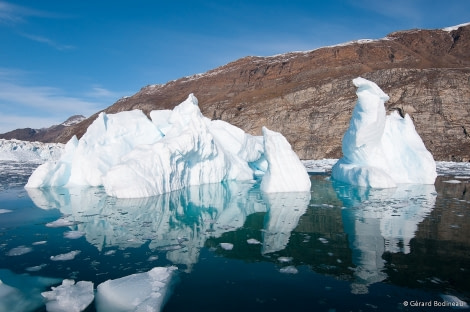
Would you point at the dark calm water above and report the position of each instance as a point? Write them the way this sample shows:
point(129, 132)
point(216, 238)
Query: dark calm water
point(337, 248)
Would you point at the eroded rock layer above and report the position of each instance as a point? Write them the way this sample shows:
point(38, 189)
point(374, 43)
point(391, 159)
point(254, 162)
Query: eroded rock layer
point(309, 96)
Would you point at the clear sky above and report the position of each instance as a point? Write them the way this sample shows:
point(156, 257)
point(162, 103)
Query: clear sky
point(60, 58)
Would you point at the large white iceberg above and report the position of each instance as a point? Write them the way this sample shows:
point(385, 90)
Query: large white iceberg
point(381, 151)
point(133, 156)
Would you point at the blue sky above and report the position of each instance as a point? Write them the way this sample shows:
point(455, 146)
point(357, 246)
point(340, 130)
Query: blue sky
point(60, 58)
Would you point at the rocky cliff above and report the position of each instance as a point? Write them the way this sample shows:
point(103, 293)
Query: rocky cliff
point(309, 96)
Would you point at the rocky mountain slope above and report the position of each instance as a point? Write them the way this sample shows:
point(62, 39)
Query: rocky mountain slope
point(45, 135)
point(309, 96)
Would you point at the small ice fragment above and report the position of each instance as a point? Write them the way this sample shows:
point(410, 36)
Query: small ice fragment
point(110, 252)
point(453, 181)
point(60, 223)
point(436, 280)
point(69, 297)
point(226, 246)
point(253, 241)
point(66, 256)
point(289, 270)
point(73, 234)
point(152, 258)
point(285, 259)
point(5, 211)
point(323, 240)
point(36, 268)
point(170, 247)
point(18, 251)
point(39, 243)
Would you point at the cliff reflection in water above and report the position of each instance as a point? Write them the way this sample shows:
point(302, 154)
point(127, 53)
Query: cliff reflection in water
point(364, 236)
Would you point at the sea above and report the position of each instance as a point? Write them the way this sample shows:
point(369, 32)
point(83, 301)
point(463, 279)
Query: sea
point(335, 248)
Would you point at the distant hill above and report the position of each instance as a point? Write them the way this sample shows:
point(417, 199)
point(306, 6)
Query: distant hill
point(308, 96)
point(45, 135)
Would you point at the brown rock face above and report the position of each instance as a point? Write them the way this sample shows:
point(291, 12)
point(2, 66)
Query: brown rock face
point(309, 96)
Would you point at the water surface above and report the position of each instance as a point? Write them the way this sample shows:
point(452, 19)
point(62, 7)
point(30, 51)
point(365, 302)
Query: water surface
point(336, 248)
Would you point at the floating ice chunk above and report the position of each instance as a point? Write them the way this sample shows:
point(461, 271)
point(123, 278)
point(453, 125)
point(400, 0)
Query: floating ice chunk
point(18, 251)
point(285, 172)
point(253, 241)
point(381, 151)
point(226, 246)
point(453, 181)
point(323, 240)
point(60, 223)
point(110, 252)
point(66, 256)
point(69, 297)
point(5, 211)
point(170, 247)
point(73, 234)
point(39, 243)
point(285, 259)
point(319, 166)
point(36, 268)
point(289, 270)
point(137, 292)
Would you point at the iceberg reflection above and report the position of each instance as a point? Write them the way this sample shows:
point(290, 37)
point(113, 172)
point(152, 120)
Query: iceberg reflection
point(178, 222)
point(379, 221)
point(285, 210)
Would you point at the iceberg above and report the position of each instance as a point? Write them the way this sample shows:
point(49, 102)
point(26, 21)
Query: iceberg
point(133, 156)
point(285, 172)
point(381, 151)
point(137, 292)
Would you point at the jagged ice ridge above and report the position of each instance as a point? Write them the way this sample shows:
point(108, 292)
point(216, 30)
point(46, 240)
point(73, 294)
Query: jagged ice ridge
point(133, 156)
